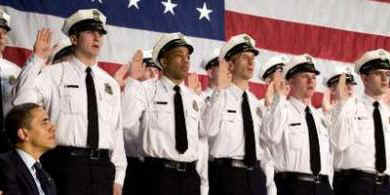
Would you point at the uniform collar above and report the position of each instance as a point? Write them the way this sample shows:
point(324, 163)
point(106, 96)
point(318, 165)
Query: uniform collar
point(370, 101)
point(168, 84)
point(299, 105)
point(81, 67)
point(27, 159)
point(237, 92)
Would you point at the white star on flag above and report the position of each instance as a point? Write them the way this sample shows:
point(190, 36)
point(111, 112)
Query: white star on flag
point(133, 3)
point(100, 1)
point(204, 12)
point(169, 6)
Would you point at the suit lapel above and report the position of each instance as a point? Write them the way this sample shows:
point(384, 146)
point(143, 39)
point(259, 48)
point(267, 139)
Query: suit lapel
point(24, 173)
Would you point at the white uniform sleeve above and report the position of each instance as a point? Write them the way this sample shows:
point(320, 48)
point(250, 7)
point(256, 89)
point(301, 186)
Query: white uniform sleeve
point(118, 157)
point(133, 105)
point(213, 113)
point(30, 85)
point(275, 122)
point(30, 72)
point(342, 125)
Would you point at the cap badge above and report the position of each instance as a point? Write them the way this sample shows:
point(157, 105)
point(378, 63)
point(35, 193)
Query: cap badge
point(308, 59)
point(96, 15)
point(248, 40)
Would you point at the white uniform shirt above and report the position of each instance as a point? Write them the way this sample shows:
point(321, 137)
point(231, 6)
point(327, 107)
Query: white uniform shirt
point(62, 91)
point(152, 103)
point(9, 73)
point(203, 162)
point(224, 123)
point(29, 161)
point(353, 134)
point(286, 133)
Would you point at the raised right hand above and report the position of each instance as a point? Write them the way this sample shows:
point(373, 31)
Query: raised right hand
point(137, 67)
point(224, 78)
point(42, 46)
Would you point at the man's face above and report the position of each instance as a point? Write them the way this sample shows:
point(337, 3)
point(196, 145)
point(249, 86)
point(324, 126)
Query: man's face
point(41, 132)
point(151, 73)
point(376, 82)
point(212, 73)
point(349, 89)
point(242, 65)
point(88, 42)
point(176, 63)
point(303, 84)
point(3, 39)
point(277, 75)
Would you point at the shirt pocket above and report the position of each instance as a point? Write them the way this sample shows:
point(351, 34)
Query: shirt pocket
point(162, 116)
point(106, 108)
point(71, 100)
point(296, 136)
point(192, 121)
point(365, 131)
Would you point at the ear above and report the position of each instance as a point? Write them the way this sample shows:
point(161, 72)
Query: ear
point(163, 62)
point(73, 39)
point(364, 78)
point(23, 134)
point(231, 65)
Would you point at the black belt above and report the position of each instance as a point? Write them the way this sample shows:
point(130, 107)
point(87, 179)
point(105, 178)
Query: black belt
point(234, 163)
point(89, 153)
point(179, 166)
point(379, 179)
point(295, 176)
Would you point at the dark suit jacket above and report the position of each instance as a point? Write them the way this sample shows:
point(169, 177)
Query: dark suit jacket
point(15, 178)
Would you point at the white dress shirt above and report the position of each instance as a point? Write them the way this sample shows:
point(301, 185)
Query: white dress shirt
point(353, 134)
point(8, 74)
point(29, 161)
point(61, 89)
point(152, 104)
point(224, 123)
point(285, 131)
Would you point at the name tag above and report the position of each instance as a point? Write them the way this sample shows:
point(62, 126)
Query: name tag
point(294, 124)
point(231, 111)
point(71, 86)
point(161, 103)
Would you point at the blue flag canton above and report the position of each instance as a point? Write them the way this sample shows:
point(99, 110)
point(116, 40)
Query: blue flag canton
point(201, 18)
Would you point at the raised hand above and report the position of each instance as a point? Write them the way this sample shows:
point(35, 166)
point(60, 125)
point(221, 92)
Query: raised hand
point(120, 75)
point(326, 101)
point(281, 87)
point(224, 76)
point(269, 94)
point(42, 46)
point(194, 83)
point(341, 89)
point(137, 67)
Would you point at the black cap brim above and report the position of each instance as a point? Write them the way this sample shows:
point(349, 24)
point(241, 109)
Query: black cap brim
point(149, 63)
point(242, 47)
point(300, 68)
point(272, 69)
point(174, 44)
point(85, 25)
point(349, 80)
point(374, 65)
point(212, 63)
point(3, 24)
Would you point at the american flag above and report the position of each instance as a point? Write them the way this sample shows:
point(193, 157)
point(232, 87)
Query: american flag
point(335, 32)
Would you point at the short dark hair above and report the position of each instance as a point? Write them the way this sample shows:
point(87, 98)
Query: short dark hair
point(19, 117)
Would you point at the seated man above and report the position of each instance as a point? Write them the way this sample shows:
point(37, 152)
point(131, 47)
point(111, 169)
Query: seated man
point(32, 134)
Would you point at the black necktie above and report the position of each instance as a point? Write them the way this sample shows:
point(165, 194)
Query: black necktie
point(47, 184)
point(93, 123)
point(249, 134)
point(180, 123)
point(315, 158)
point(380, 154)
